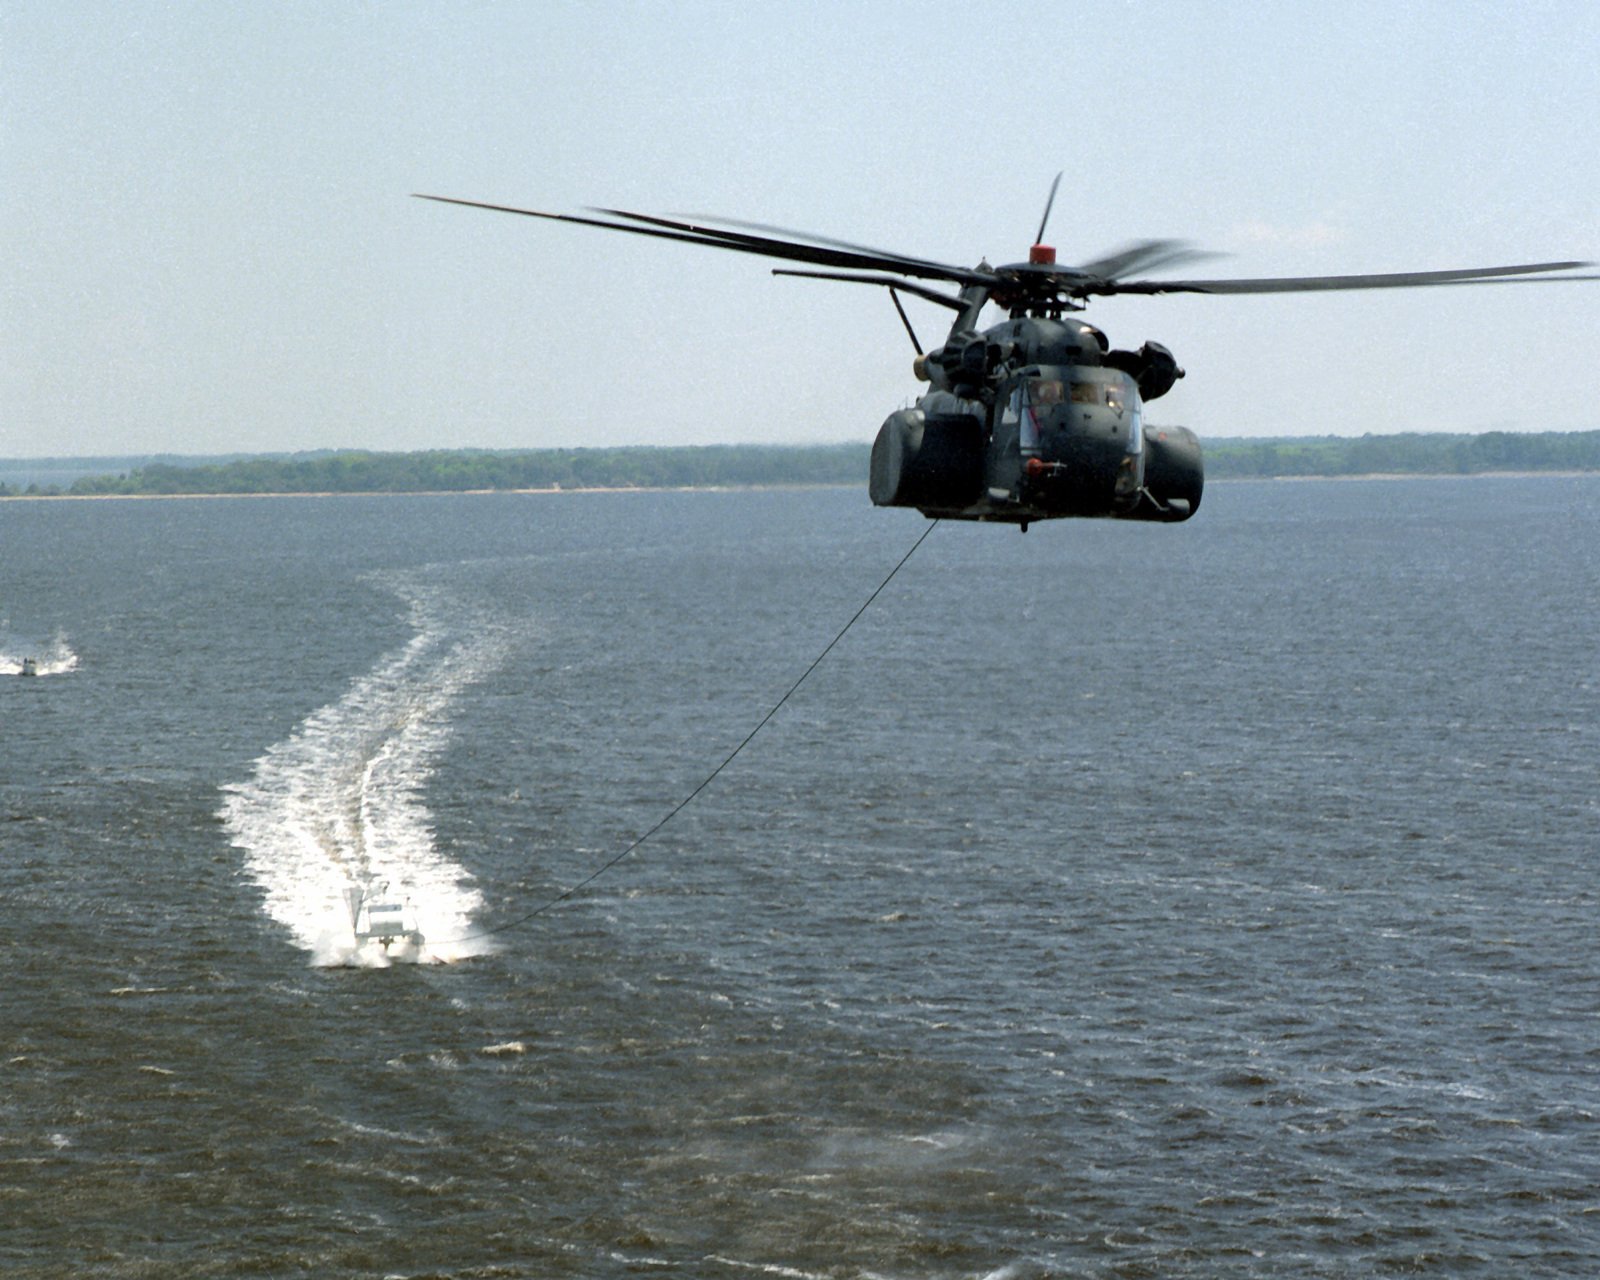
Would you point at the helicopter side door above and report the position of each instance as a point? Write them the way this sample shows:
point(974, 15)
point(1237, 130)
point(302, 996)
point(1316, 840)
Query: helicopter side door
point(1122, 398)
point(1006, 456)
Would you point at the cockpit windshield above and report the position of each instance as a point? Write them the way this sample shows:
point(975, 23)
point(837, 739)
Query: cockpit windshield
point(1045, 393)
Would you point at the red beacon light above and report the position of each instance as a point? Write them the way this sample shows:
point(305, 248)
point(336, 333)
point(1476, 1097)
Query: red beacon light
point(1042, 255)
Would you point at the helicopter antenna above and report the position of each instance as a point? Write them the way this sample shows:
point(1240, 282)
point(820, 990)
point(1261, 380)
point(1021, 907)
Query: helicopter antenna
point(1048, 204)
point(905, 320)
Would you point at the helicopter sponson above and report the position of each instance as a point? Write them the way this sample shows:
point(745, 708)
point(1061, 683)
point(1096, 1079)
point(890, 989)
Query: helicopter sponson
point(1034, 419)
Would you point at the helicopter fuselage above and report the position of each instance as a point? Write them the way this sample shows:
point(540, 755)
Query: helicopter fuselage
point(1037, 419)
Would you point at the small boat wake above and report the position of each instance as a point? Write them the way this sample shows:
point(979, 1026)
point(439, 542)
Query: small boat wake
point(333, 823)
point(20, 659)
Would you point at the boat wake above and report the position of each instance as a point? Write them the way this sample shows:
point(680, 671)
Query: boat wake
point(338, 805)
point(53, 659)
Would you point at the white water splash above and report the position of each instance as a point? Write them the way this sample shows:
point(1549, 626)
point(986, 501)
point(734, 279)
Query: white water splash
point(53, 659)
point(340, 802)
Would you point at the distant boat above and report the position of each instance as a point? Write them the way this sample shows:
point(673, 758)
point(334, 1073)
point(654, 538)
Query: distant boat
point(30, 667)
point(374, 917)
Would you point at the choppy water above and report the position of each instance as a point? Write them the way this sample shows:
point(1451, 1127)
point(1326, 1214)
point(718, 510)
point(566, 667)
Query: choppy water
point(1203, 901)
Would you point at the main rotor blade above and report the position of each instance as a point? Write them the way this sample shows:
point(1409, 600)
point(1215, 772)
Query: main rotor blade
point(766, 228)
point(838, 253)
point(1144, 255)
point(1048, 205)
point(1527, 273)
point(690, 233)
point(889, 282)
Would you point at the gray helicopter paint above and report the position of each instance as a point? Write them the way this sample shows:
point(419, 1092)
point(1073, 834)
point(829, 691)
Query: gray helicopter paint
point(977, 455)
point(1060, 420)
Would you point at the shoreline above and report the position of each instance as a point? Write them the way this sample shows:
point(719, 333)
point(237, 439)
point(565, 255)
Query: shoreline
point(1413, 475)
point(557, 490)
point(421, 493)
point(1382, 476)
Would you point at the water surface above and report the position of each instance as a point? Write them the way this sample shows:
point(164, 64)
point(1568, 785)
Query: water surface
point(1114, 900)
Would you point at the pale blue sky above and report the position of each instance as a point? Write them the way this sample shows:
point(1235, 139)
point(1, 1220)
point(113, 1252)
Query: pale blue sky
point(211, 246)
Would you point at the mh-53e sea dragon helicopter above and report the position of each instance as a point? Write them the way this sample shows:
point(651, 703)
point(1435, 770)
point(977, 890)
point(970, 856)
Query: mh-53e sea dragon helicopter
point(1037, 417)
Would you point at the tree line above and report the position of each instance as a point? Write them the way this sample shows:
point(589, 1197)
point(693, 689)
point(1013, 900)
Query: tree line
point(1416, 453)
point(712, 466)
point(468, 470)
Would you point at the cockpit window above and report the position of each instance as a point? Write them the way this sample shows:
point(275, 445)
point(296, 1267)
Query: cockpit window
point(1114, 396)
point(1045, 393)
point(1085, 393)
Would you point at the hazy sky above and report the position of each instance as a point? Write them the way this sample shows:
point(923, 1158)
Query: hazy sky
point(211, 245)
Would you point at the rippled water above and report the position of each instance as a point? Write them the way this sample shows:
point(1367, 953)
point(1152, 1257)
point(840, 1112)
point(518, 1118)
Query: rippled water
point(1113, 901)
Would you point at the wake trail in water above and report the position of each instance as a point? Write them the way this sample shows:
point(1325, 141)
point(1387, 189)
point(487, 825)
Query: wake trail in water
point(55, 658)
point(339, 803)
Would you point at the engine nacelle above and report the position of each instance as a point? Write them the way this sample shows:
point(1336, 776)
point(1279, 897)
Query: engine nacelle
point(1158, 372)
point(929, 461)
point(1153, 367)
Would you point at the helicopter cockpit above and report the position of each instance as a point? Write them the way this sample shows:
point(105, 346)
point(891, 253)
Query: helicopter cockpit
point(1075, 433)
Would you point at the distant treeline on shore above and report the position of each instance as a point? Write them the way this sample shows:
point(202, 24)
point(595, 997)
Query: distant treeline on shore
point(728, 466)
point(1411, 454)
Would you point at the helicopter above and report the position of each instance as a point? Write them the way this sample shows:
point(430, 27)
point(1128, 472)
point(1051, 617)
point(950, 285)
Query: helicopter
point(1037, 417)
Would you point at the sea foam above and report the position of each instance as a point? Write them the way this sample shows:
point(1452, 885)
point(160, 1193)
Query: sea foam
point(340, 802)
